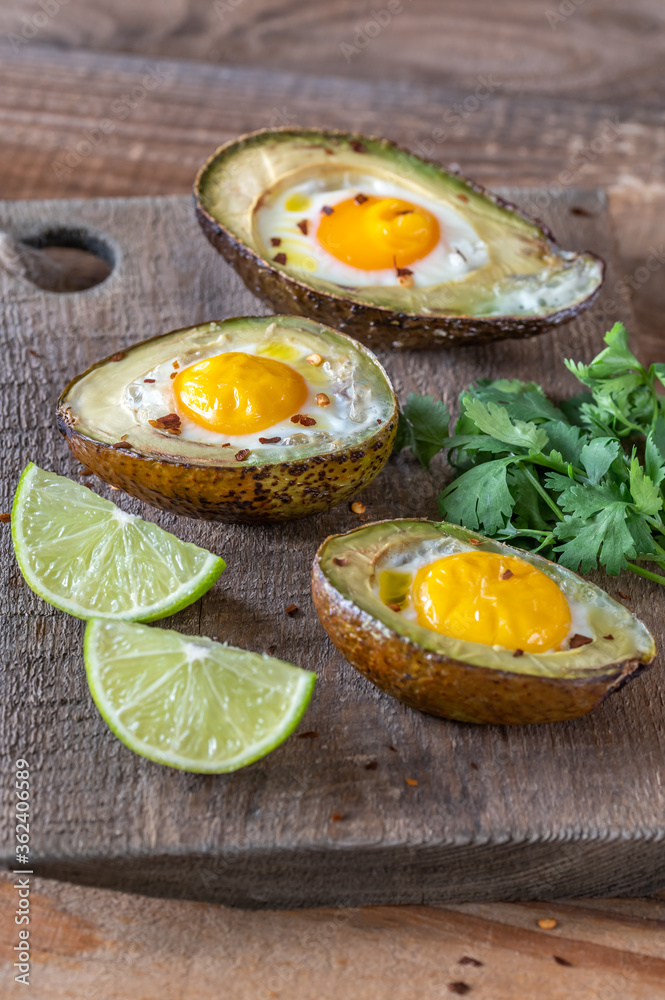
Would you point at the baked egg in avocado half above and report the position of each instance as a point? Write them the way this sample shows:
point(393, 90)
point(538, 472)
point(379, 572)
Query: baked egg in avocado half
point(371, 239)
point(464, 627)
point(246, 419)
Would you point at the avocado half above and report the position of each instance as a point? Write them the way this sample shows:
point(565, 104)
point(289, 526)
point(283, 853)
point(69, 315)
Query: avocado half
point(456, 679)
point(527, 285)
point(136, 447)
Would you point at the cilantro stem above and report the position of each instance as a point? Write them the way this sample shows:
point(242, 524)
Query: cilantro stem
point(535, 482)
point(646, 573)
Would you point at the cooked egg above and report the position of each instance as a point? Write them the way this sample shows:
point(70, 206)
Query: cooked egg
point(254, 395)
point(485, 597)
point(370, 232)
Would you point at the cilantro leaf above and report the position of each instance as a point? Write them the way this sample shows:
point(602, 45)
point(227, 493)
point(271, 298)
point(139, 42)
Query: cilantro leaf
point(565, 439)
point(584, 499)
point(479, 497)
point(653, 457)
point(597, 456)
point(493, 419)
point(423, 427)
point(645, 493)
point(604, 538)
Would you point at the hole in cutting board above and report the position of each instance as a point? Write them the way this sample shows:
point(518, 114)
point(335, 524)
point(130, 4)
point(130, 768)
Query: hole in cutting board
point(61, 259)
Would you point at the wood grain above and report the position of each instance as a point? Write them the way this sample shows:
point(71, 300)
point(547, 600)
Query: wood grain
point(602, 52)
point(107, 946)
point(497, 813)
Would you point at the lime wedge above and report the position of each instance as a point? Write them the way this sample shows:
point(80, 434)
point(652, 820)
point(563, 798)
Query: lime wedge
point(84, 555)
point(188, 702)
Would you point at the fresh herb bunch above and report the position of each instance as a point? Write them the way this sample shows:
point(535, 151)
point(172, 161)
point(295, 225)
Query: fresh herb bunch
point(581, 482)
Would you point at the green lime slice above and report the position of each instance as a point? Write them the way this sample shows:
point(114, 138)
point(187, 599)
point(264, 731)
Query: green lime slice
point(188, 702)
point(84, 555)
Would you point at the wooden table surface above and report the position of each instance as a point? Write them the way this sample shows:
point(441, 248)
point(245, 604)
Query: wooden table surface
point(127, 99)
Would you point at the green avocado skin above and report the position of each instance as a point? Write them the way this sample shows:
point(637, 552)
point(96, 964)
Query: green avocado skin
point(374, 326)
point(238, 493)
point(439, 685)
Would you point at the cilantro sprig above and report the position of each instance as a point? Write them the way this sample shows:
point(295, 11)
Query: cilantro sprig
point(582, 482)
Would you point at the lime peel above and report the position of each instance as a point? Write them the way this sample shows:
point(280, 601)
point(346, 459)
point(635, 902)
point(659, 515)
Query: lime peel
point(189, 702)
point(85, 556)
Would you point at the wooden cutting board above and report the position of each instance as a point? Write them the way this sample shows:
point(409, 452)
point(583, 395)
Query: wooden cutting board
point(329, 818)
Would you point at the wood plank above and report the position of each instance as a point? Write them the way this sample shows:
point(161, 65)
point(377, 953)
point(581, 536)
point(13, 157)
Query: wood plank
point(100, 943)
point(51, 102)
point(572, 808)
point(599, 52)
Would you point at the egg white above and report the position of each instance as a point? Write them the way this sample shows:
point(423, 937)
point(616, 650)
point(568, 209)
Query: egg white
point(429, 552)
point(459, 251)
point(350, 407)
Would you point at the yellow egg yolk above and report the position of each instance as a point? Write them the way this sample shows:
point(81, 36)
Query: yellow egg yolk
point(238, 393)
point(492, 599)
point(378, 233)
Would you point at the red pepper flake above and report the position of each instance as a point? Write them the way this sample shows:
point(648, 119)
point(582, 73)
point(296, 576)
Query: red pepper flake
point(303, 226)
point(170, 423)
point(123, 445)
point(291, 610)
point(580, 640)
point(394, 607)
point(518, 652)
point(360, 199)
point(610, 636)
point(474, 541)
point(311, 734)
point(274, 440)
point(372, 766)
point(303, 420)
point(548, 923)
point(411, 781)
point(275, 241)
point(379, 420)
point(241, 455)
point(4, 517)
point(118, 356)
point(173, 374)
point(459, 987)
point(227, 445)
point(84, 472)
point(337, 817)
point(327, 210)
point(176, 364)
point(390, 747)
point(34, 353)
point(467, 960)
point(626, 597)
point(280, 258)
point(562, 961)
point(148, 380)
point(357, 146)
point(507, 573)
point(462, 197)
point(340, 560)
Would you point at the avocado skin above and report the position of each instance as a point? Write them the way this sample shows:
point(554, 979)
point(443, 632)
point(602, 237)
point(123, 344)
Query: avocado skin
point(246, 494)
point(376, 326)
point(452, 689)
